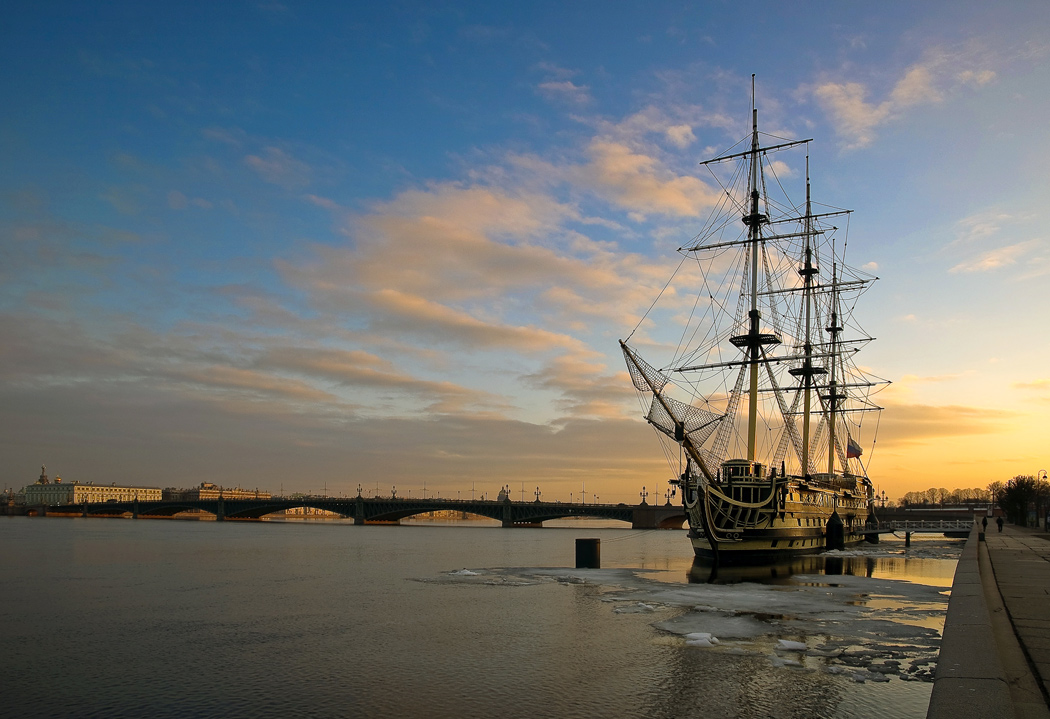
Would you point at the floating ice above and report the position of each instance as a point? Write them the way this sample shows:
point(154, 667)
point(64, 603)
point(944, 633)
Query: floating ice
point(637, 608)
point(865, 628)
point(701, 639)
point(464, 573)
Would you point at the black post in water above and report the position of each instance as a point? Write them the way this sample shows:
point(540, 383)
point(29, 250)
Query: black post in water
point(588, 554)
point(835, 533)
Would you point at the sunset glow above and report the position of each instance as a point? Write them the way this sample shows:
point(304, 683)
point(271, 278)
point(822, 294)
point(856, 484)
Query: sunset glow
point(315, 246)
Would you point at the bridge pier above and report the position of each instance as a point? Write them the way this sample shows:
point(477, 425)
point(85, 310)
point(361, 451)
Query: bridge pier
point(508, 514)
point(359, 510)
point(907, 539)
point(220, 510)
point(135, 509)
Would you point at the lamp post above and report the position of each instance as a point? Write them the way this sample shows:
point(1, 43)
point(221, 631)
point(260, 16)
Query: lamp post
point(537, 493)
point(643, 494)
point(358, 490)
point(393, 492)
point(1040, 475)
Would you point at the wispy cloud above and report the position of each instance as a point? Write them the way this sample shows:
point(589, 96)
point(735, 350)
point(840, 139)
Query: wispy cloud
point(1036, 388)
point(980, 242)
point(995, 259)
point(565, 91)
point(941, 72)
point(909, 424)
point(279, 168)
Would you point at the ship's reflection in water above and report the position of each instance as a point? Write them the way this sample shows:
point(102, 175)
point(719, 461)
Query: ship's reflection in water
point(781, 572)
point(929, 561)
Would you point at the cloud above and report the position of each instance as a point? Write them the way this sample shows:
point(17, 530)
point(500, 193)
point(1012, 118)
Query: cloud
point(1039, 388)
point(855, 118)
point(125, 200)
point(911, 424)
point(680, 135)
point(555, 71)
point(941, 72)
point(976, 78)
point(1036, 384)
point(363, 370)
point(980, 241)
point(456, 261)
point(640, 183)
point(565, 91)
point(179, 201)
point(399, 311)
point(255, 383)
point(995, 259)
point(279, 168)
point(633, 164)
point(586, 388)
point(981, 226)
point(234, 137)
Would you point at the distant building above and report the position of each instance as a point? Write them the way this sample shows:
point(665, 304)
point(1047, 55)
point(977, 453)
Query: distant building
point(309, 513)
point(207, 490)
point(44, 491)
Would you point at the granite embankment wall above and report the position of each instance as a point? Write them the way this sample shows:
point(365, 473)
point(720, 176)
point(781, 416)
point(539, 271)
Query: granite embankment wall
point(982, 670)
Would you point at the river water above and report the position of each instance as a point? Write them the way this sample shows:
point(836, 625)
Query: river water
point(126, 618)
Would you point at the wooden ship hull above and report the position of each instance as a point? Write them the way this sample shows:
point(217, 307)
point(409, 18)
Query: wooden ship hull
point(751, 522)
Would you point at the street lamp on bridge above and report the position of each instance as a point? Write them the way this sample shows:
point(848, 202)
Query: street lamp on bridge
point(643, 494)
point(537, 493)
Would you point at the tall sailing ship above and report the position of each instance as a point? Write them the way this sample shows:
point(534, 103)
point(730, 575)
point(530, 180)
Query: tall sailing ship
point(763, 408)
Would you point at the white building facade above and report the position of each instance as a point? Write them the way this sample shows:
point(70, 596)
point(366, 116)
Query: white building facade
point(44, 491)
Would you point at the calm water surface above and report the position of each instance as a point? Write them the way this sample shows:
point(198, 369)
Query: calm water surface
point(122, 618)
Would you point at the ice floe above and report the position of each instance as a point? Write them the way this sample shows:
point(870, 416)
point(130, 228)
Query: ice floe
point(864, 628)
point(701, 639)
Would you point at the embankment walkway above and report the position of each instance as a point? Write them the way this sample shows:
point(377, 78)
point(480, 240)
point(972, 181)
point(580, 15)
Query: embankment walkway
point(995, 648)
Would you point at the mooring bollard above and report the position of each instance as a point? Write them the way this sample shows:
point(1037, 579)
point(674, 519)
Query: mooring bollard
point(588, 554)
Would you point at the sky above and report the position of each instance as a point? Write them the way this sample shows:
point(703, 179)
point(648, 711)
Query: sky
point(310, 246)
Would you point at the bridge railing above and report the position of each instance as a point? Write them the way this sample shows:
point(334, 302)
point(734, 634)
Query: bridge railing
point(931, 525)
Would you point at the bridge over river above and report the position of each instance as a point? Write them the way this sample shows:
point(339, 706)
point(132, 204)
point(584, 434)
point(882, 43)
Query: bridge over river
point(382, 510)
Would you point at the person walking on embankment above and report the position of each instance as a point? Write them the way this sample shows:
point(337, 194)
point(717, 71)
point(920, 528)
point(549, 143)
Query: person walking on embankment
point(999, 521)
point(984, 523)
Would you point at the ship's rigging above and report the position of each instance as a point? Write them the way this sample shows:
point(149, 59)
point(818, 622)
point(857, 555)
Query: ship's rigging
point(765, 367)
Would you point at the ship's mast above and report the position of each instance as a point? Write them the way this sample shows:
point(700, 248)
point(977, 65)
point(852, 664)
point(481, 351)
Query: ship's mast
point(754, 221)
point(833, 393)
point(807, 273)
